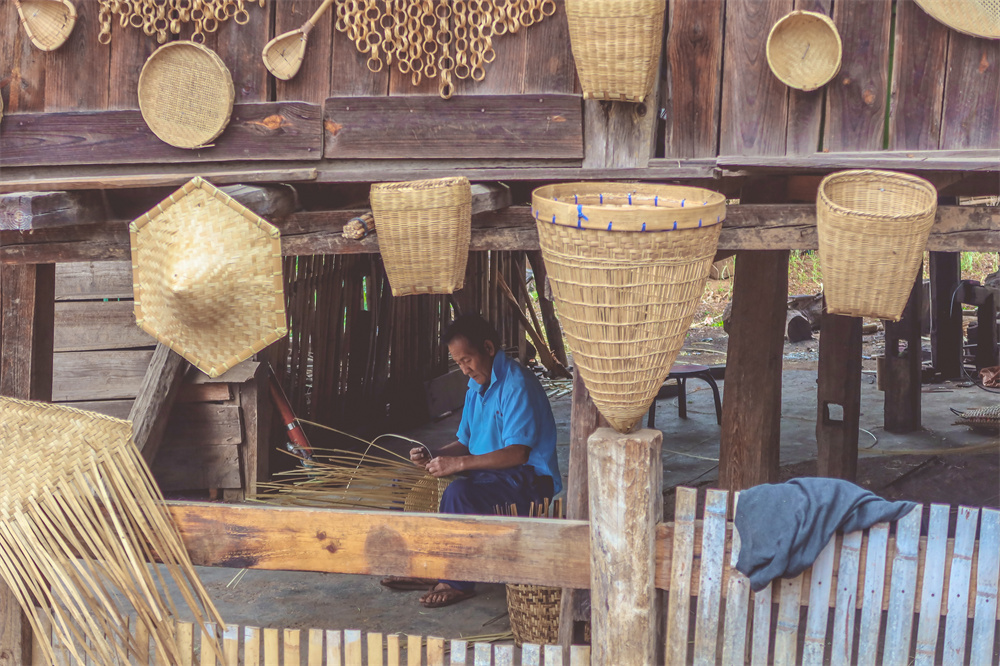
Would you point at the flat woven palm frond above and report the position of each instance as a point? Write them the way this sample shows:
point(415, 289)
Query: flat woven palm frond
point(80, 518)
point(981, 417)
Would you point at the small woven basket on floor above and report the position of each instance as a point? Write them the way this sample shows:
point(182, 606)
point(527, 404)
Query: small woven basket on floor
point(616, 46)
point(627, 264)
point(873, 228)
point(534, 613)
point(981, 418)
point(424, 228)
point(804, 49)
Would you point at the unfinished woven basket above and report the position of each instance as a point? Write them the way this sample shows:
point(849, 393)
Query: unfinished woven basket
point(980, 418)
point(804, 50)
point(873, 228)
point(424, 227)
point(48, 23)
point(616, 46)
point(425, 496)
point(186, 94)
point(627, 264)
point(980, 18)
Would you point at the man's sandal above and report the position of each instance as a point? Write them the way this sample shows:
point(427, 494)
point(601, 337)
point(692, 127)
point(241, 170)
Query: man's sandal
point(408, 583)
point(449, 596)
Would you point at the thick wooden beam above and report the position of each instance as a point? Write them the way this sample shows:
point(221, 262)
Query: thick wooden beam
point(264, 131)
point(468, 126)
point(151, 410)
point(488, 197)
point(751, 408)
point(838, 396)
point(909, 160)
point(27, 211)
point(626, 503)
point(902, 365)
point(946, 314)
point(271, 202)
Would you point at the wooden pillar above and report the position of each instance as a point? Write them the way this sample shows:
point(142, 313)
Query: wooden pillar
point(751, 407)
point(946, 314)
point(986, 333)
point(27, 313)
point(584, 421)
point(626, 503)
point(838, 396)
point(902, 366)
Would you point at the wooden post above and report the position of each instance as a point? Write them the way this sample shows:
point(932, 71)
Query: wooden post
point(986, 333)
point(151, 410)
point(27, 313)
point(751, 408)
point(626, 503)
point(838, 396)
point(902, 366)
point(946, 314)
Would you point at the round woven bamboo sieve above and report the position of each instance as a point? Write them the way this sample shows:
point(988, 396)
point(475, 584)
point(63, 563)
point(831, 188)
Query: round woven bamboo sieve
point(980, 18)
point(48, 23)
point(616, 46)
point(804, 50)
point(873, 228)
point(207, 276)
point(424, 227)
point(186, 94)
point(627, 264)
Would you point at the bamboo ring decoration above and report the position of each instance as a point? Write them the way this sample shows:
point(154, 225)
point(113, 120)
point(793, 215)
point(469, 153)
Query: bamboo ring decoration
point(804, 50)
point(186, 94)
point(48, 23)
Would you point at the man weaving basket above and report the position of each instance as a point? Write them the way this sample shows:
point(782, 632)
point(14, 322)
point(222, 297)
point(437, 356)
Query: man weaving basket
point(505, 454)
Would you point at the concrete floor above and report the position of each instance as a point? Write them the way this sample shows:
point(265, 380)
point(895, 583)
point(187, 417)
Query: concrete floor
point(690, 453)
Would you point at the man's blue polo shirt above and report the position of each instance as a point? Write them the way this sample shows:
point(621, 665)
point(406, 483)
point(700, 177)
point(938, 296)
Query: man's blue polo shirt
point(513, 409)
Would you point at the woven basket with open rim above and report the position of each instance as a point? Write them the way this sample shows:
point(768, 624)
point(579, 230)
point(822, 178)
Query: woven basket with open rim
point(627, 264)
point(48, 23)
point(803, 50)
point(873, 228)
point(616, 46)
point(424, 228)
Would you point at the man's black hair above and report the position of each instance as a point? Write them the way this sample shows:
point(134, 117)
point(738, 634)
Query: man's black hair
point(473, 328)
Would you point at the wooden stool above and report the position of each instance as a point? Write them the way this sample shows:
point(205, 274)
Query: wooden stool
point(681, 373)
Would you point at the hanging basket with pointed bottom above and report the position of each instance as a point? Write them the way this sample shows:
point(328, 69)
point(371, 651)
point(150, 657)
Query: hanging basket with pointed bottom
point(627, 264)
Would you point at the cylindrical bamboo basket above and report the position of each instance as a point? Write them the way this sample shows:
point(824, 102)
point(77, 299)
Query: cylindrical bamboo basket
point(534, 613)
point(424, 228)
point(627, 264)
point(804, 50)
point(873, 228)
point(425, 497)
point(616, 46)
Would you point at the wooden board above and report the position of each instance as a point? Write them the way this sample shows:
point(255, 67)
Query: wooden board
point(972, 93)
point(27, 211)
point(520, 126)
point(917, 79)
point(549, 64)
point(93, 280)
point(76, 74)
point(197, 466)
point(805, 108)
point(94, 325)
point(312, 83)
point(98, 375)
point(119, 409)
point(265, 131)
point(204, 423)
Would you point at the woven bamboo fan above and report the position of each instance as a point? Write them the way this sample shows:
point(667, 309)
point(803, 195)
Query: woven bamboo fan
point(186, 94)
point(616, 46)
point(627, 264)
point(424, 228)
point(48, 23)
point(980, 18)
point(208, 278)
point(804, 49)
point(80, 518)
point(873, 228)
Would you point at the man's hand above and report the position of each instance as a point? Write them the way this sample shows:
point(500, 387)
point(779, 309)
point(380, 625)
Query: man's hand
point(444, 466)
point(419, 456)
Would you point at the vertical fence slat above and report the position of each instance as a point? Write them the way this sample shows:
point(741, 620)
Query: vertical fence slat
point(786, 632)
point(435, 651)
point(903, 590)
point(391, 650)
point(482, 654)
point(503, 655)
point(315, 657)
point(374, 649)
point(459, 650)
point(932, 586)
point(44, 637)
point(984, 624)
point(734, 646)
point(414, 646)
point(142, 638)
point(553, 655)
point(207, 654)
point(292, 640)
point(352, 648)
point(871, 604)
point(680, 577)
point(579, 655)
point(231, 645)
point(955, 624)
point(761, 637)
point(271, 654)
point(845, 610)
point(334, 650)
point(820, 581)
point(531, 655)
point(713, 553)
point(251, 646)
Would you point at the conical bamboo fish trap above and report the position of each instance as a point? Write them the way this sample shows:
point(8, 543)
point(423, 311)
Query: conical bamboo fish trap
point(48, 23)
point(80, 518)
point(424, 228)
point(873, 228)
point(616, 46)
point(627, 264)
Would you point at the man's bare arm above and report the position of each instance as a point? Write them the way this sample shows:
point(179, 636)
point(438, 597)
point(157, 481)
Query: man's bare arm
point(419, 455)
point(510, 456)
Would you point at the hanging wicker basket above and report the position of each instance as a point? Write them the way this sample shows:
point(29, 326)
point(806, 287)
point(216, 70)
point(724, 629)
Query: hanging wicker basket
point(873, 228)
point(627, 264)
point(424, 228)
point(616, 46)
point(48, 23)
point(804, 50)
